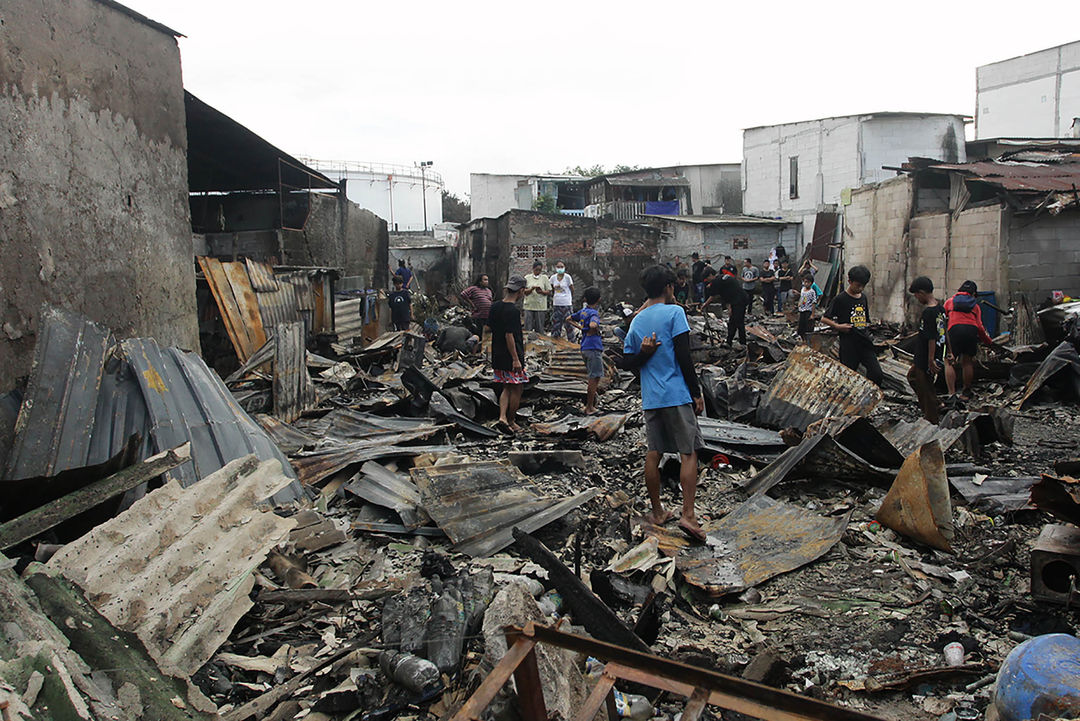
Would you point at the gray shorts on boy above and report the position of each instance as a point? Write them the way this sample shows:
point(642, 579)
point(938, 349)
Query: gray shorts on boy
point(673, 430)
point(594, 363)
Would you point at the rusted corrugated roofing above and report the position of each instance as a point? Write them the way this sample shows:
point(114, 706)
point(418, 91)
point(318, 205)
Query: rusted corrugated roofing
point(176, 568)
point(1039, 177)
point(813, 386)
point(294, 392)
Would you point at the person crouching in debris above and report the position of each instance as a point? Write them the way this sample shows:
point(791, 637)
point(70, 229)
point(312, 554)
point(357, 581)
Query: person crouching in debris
point(849, 314)
point(963, 332)
point(587, 320)
point(808, 299)
point(728, 289)
point(508, 352)
point(658, 343)
point(400, 304)
point(929, 349)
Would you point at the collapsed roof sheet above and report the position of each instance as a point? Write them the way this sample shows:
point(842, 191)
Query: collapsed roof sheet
point(176, 568)
point(1021, 176)
point(813, 386)
point(479, 504)
point(83, 403)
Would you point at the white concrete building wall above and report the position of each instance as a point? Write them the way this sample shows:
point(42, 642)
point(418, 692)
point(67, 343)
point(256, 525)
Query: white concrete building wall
point(891, 140)
point(1034, 95)
point(492, 195)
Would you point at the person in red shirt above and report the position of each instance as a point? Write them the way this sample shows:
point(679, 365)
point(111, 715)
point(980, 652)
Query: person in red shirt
point(963, 332)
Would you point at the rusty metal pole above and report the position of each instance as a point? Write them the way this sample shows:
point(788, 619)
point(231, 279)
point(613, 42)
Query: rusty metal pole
point(530, 692)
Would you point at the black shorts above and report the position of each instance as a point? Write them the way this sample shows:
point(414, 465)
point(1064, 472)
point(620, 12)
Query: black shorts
point(963, 340)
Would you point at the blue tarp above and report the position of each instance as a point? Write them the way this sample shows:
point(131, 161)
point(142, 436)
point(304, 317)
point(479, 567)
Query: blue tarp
point(661, 207)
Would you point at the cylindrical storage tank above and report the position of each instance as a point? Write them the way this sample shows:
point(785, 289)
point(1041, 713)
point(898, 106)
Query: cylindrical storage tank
point(408, 198)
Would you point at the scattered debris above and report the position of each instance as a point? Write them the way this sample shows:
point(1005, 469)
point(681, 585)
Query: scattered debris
point(918, 504)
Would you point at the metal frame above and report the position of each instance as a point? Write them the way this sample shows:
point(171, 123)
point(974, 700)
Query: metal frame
point(700, 686)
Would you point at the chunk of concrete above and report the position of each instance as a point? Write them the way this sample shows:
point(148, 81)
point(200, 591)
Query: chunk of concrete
point(564, 685)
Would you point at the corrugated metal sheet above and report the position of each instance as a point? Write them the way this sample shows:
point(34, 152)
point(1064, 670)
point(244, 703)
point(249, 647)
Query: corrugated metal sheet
point(818, 457)
point(813, 386)
point(294, 392)
point(314, 467)
point(261, 276)
point(760, 539)
point(1020, 176)
point(176, 568)
point(348, 322)
point(909, 436)
point(479, 504)
point(235, 298)
point(53, 429)
point(186, 401)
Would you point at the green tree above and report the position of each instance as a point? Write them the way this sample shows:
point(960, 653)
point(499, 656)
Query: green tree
point(454, 209)
point(545, 204)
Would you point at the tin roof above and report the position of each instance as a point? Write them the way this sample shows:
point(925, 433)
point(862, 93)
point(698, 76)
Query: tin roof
point(1054, 172)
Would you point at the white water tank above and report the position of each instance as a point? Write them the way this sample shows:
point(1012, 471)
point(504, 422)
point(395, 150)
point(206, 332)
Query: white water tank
point(407, 197)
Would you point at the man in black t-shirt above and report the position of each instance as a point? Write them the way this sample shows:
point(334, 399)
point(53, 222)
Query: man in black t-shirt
point(508, 351)
point(850, 315)
point(697, 270)
point(728, 290)
point(784, 276)
point(929, 349)
point(400, 303)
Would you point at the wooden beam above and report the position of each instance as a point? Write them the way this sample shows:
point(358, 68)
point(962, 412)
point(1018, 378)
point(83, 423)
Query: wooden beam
point(322, 595)
point(35, 522)
point(590, 611)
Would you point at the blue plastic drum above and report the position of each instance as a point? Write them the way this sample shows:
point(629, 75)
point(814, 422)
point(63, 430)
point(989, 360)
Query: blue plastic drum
point(1040, 676)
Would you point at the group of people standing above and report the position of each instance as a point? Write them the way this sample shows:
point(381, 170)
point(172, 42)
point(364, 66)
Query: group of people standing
point(539, 287)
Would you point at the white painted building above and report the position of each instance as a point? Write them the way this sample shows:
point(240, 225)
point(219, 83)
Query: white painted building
point(408, 198)
point(492, 194)
point(795, 170)
point(1032, 96)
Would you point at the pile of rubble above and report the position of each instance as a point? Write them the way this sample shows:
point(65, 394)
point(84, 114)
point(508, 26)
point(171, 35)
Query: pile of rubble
point(344, 535)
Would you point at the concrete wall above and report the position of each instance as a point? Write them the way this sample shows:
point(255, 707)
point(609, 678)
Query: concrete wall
point(492, 195)
point(875, 227)
point(682, 239)
point(1043, 255)
point(975, 245)
point(1035, 95)
point(596, 252)
point(891, 140)
point(93, 177)
point(716, 185)
point(338, 234)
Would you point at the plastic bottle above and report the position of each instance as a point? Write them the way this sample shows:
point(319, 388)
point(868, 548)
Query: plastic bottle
point(414, 673)
point(446, 630)
point(632, 706)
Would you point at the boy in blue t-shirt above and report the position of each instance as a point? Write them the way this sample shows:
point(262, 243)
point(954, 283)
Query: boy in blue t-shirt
point(592, 345)
point(658, 343)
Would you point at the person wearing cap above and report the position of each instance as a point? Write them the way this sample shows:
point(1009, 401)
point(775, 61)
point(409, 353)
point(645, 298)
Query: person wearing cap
point(508, 352)
point(929, 349)
point(537, 290)
point(963, 331)
point(562, 299)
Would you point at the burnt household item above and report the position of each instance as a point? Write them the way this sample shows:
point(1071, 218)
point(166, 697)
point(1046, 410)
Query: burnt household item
point(412, 672)
point(918, 504)
point(446, 630)
point(1055, 565)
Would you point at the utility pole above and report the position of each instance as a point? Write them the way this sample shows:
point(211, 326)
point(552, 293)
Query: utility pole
point(424, 165)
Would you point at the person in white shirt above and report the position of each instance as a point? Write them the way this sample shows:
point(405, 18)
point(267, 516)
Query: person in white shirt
point(562, 300)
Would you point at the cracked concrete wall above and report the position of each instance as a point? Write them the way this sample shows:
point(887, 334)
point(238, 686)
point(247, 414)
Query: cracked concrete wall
point(93, 176)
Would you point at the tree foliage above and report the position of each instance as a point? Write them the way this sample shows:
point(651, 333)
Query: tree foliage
point(595, 170)
point(454, 209)
point(545, 204)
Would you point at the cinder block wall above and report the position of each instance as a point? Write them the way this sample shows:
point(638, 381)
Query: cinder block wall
point(874, 228)
point(975, 252)
point(94, 212)
point(1043, 255)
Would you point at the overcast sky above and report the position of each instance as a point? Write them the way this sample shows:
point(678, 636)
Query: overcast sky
point(532, 87)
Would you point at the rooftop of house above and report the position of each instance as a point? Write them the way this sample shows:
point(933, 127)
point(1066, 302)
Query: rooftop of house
point(868, 116)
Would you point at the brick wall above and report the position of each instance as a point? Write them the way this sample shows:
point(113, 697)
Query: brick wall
point(975, 250)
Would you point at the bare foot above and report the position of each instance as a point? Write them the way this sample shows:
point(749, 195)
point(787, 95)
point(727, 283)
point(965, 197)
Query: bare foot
point(515, 427)
point(692, 530)
point(589, 411)
point(659, 519)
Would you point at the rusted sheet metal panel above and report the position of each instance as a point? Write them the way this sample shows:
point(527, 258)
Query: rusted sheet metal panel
point(379, 485)
point(261, 276)
point(187, 401)
point(819, 457)
point(918, 504)
point(294, 392)
point(478, 504)
point(1034, 177)
point(1062, 360)
point(350, 425)
point(176, 568)
point(813, 386)
point(730, 433)
point(603, 427)
point(53, 430)
point(289, 439)
point(760, 539)
point(909, 436)
point(237, 304)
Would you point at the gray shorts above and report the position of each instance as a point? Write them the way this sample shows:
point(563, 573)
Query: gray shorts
point(594, 363)
point(673, 430)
